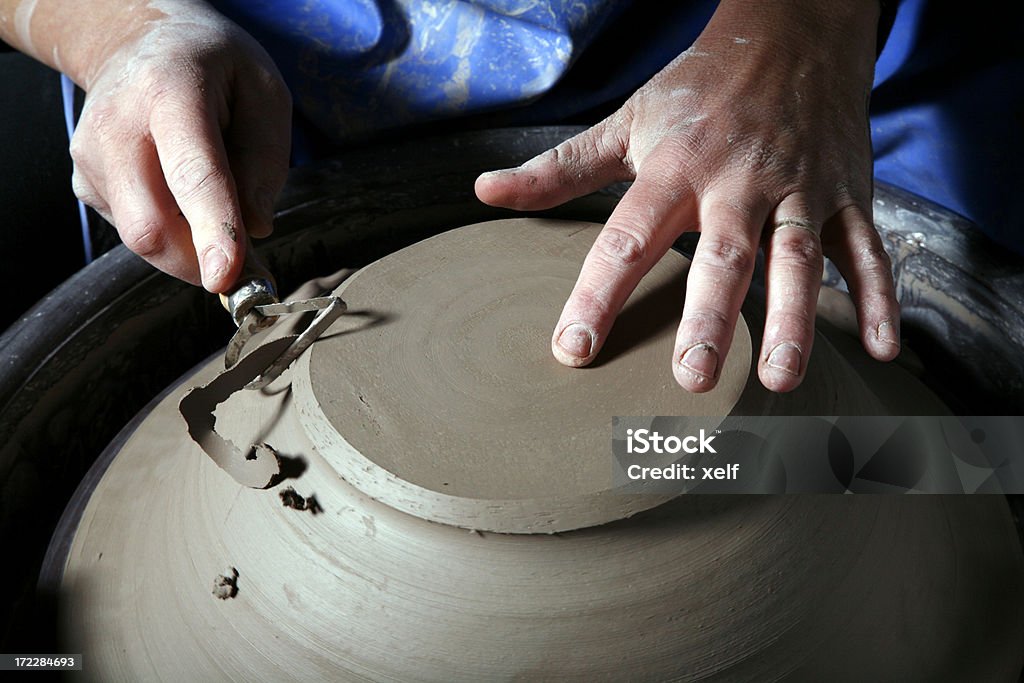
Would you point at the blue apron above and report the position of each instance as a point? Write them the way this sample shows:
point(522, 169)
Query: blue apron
point(947, 113)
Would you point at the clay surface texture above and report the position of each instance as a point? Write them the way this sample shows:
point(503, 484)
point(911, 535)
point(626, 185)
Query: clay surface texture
point(409, 410)
point(452, 407)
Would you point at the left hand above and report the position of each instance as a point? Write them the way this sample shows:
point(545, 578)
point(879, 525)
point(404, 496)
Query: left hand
point(762, 124)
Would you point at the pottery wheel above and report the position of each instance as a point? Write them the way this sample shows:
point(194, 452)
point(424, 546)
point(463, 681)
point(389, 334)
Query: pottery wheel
point(354, 587)
point(438, 393)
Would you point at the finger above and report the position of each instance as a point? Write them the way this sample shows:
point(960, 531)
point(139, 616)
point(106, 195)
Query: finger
point(190, 146)
point(146, 215)
point(582, 164)
point(853, 244)
point(85, 191)
point(637, 234)
point(259, 146)
point(716, 286)
point(793, 272)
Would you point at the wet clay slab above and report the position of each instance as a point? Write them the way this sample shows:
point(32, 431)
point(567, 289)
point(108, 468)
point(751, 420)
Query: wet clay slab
point(451, 407)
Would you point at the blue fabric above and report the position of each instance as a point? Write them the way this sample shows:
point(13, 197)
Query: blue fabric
point(362, 65)
point(948, 111)
point(947, 114)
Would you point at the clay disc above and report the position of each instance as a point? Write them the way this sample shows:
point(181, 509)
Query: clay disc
point(449, 405)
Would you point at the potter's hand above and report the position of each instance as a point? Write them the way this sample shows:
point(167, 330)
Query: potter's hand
point(183, 144)
point(184, 140)
point(758, 132)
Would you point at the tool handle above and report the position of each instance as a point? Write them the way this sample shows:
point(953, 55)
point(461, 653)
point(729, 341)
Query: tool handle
point(255, 286)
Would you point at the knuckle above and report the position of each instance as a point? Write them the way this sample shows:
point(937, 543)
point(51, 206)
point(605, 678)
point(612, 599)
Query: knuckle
point(83, 189)
point(620, 248)
point(172, 84)
point(873, 286)
point(728, 255)
point(845, 197)
point(563, 153)
point(572, 156)
point(100, 120)
point(607, 143)
point(270, 88)
point(164, 94)
point(799, 249)
point(675, 158)
point(143, 236)
point(614, 144)
point(871, 253)
point(557, 160)
point(79, 148)
point(193, 176)
point(762, 157)
point(272, 82)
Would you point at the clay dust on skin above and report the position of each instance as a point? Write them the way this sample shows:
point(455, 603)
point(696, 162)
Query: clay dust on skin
point(687, 54)
point(23, 23)
point(23, 15)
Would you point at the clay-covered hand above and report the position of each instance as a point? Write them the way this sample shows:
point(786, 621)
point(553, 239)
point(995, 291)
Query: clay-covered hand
point(184, 140)
point(756, 136)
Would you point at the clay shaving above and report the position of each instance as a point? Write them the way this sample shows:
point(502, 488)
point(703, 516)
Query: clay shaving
point(258, 466)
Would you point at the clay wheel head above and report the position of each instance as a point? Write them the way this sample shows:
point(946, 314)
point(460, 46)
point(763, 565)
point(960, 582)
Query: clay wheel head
point(439, 395)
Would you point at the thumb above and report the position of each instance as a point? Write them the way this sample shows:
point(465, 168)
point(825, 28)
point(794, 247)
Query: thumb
point(582, 164)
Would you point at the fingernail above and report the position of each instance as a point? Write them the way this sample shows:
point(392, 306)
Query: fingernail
point(700, 359)
point(576, 340)
point(785, 357)
point(215, 262)
point(886, 332)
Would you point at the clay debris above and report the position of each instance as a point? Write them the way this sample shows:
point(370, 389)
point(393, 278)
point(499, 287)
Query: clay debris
point(226, 585)
point(293, 499)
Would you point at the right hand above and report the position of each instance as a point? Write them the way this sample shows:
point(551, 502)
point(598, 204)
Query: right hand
point(752, 140)
point(184, 143)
